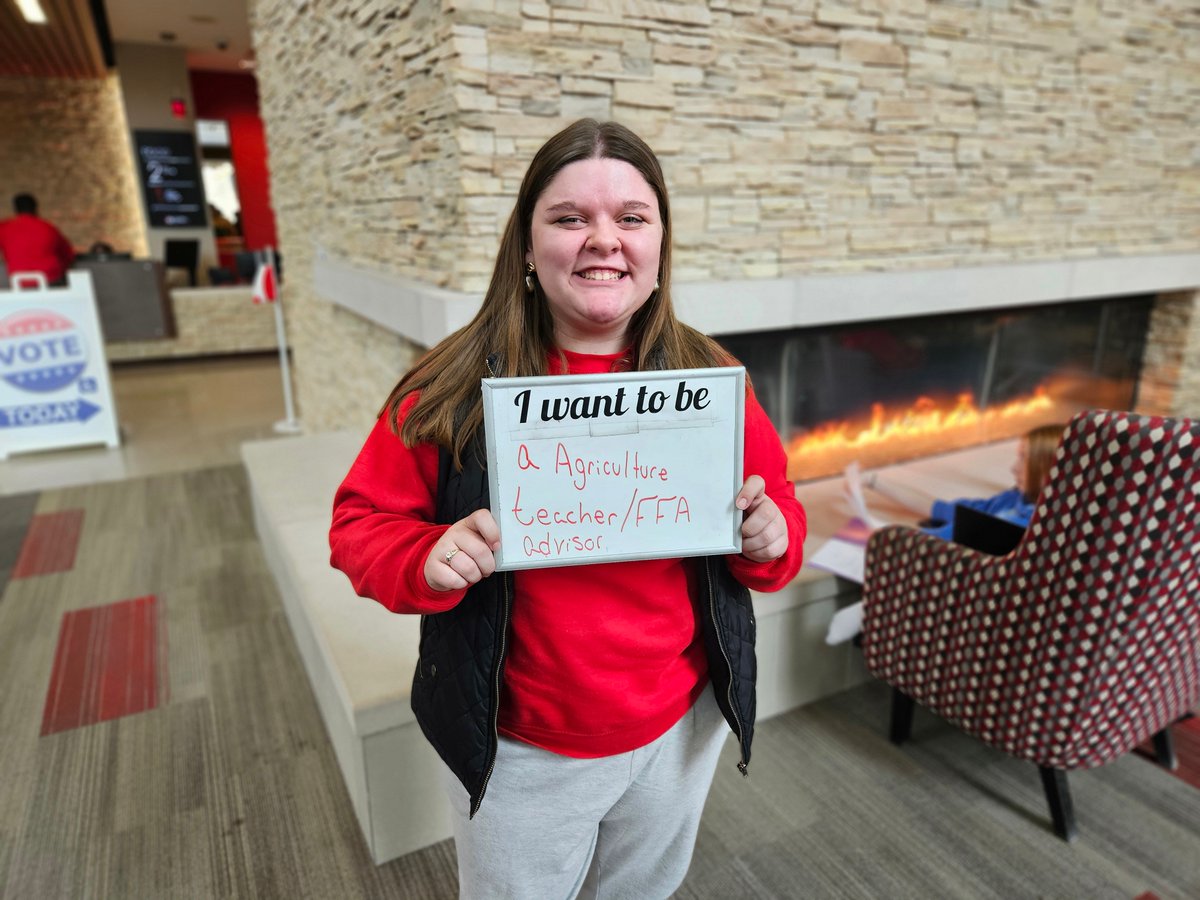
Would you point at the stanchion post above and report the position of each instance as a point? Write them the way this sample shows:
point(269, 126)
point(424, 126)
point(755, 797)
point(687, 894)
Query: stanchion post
point(289, 425)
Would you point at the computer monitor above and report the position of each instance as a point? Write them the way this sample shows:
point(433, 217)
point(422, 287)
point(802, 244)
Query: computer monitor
point(985, 532)
point(246, 264)
point(182, 254)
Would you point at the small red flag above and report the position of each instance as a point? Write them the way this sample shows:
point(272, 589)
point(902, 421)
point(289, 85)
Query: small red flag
point(264, 284)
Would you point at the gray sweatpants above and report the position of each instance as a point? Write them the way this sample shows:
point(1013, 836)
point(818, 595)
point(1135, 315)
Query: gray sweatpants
point(553, 828)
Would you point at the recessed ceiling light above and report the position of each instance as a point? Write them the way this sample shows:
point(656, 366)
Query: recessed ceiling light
point(32, 11)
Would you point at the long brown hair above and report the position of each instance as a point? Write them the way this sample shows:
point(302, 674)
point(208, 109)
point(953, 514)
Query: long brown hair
point(514, 327)
point(1040, 445)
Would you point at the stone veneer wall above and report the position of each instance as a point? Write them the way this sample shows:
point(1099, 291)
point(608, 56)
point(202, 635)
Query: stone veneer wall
point(1170, 382)
point(1187, 394)
point(65, 141)
point(797, 137)
point(358, 100)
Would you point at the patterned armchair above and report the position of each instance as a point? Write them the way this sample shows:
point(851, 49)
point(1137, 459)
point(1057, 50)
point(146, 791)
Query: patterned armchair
point(1082, 642)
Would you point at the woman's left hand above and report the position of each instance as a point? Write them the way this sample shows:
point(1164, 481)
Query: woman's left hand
point(764, 529)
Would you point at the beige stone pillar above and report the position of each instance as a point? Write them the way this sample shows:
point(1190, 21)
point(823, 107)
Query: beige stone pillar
point(1170, 382)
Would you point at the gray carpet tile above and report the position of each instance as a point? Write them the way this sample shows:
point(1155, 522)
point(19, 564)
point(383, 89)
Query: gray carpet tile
point(16, 511)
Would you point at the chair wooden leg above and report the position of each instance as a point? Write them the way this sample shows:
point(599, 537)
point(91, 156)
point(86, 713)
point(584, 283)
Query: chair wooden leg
point(1058, 795)
point(902, 716)
point(1164, 749)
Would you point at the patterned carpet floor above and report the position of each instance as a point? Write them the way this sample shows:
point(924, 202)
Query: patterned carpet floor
point(16, 512)
point(158, 739)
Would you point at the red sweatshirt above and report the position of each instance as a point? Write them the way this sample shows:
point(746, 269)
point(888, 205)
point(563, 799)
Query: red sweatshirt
point(603, 658)
point(31, 244)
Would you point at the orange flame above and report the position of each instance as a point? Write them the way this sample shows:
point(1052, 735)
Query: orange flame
point(923, 427)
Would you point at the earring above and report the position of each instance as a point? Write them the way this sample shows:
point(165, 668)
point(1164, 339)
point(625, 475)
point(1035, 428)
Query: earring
point(529, 270)
point(656, 285)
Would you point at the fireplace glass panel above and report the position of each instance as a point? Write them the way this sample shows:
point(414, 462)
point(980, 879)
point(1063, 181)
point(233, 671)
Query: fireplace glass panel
point(890, 390)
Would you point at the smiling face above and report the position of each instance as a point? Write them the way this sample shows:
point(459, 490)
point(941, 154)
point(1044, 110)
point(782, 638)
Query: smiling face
point(596, 241)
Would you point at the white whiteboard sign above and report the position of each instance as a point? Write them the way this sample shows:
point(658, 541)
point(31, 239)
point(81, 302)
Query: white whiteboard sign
point(54, 385)
point(599, 468)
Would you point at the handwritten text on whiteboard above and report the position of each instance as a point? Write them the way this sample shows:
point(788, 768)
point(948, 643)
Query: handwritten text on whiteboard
point(600, 468)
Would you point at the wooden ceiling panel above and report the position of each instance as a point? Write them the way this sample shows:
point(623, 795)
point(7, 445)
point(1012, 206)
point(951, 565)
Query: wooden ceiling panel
point(65, 47)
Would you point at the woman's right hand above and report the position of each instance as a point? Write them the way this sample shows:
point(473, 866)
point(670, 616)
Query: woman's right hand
point(465, 553)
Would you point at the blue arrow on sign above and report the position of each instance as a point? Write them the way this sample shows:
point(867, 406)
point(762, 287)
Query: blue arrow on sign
point(47, 413)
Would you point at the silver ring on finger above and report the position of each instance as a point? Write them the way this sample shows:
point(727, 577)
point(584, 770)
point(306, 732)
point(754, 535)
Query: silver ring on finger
point(450, 554)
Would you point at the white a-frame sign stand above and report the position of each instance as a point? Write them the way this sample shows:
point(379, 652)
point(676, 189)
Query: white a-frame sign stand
point(54, 385)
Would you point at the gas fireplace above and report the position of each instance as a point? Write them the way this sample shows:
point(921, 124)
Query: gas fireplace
point(889, 390)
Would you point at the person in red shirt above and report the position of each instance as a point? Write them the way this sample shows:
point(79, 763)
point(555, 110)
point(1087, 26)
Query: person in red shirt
point(589, 702)
point(31, 244)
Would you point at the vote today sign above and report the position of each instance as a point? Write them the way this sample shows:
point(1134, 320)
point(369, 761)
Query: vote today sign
point(54, 385)
point(600, 468)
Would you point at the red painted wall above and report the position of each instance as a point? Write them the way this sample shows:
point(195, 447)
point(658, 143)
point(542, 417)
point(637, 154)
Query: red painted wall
point(233, 96)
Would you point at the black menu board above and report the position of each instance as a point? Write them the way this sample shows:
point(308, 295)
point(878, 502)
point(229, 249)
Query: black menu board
point(170, 175)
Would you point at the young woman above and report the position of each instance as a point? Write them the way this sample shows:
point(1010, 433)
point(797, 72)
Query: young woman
point(578, 709)
point(1031, 467)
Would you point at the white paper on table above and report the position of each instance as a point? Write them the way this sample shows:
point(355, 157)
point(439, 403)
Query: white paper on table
point(854, 492)
point(845, 624)
point(844, 558)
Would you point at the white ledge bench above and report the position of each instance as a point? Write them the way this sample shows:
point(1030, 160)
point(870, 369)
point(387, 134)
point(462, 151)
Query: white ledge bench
point(360, 658)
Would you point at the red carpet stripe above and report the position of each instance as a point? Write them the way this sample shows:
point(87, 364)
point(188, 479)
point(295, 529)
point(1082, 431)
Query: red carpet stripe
point(50, 544)
point(106, 665)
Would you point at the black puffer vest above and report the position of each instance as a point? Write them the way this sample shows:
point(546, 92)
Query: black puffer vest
point(456, 688)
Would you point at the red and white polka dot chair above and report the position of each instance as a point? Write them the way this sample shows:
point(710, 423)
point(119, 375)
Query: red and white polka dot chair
point(1081, 643)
